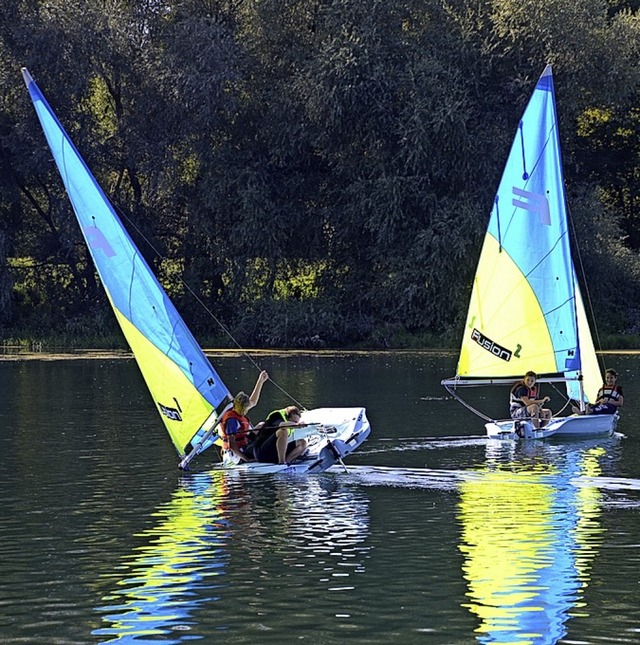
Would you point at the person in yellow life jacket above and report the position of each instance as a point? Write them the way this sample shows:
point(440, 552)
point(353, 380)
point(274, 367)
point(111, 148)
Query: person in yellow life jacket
point(235, 427)
point(610, 397)
point(273, 444)
point(525, 404)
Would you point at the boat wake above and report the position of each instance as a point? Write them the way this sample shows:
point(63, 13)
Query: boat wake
point(404, 477)
point(404, 444)
point(607, 483)
point(444, 479)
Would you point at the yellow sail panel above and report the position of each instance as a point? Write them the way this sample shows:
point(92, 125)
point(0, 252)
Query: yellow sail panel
point(506, 333)
point(591, 375)
point(182, 407)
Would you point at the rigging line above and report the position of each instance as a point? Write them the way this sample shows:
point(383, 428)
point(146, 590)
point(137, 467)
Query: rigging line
point(525, 174)
point(467, 405)
point(586, 286)
point(562, 395)
point(562, 409)
point(206, 308)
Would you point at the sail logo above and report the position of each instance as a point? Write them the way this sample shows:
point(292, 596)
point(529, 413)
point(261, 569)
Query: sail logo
point(532, 202)
point(97, 240)
point(490, 346)
point(170, 413)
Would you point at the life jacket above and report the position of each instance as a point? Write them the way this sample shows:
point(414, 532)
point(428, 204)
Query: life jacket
point(277, 416)
point(610, 392)
point(515, 401)
point(271, 424)
point(241, 435)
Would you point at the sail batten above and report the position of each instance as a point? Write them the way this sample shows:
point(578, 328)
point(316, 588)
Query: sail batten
point(184, 385)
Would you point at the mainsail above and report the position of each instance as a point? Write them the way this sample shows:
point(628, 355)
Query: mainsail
point(185, 387)
point(526, 312)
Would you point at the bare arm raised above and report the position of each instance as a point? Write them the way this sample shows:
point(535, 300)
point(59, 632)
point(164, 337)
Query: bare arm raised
point(257, 389)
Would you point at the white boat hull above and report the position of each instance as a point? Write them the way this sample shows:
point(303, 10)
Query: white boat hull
point(334, 434)
point(579, 426)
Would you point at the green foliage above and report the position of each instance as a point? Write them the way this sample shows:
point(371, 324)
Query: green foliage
point(317, 173)
point(604, 254)
point(299, 324)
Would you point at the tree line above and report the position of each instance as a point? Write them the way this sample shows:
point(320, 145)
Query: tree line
point(318, 172)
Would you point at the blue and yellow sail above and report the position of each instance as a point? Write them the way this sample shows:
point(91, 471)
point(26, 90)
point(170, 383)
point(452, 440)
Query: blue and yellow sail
point(526, 312)
point(185, 387)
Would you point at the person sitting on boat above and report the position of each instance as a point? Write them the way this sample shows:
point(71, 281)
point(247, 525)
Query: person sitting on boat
point(273, 444)
point(609, 399)
point(235, 427)
point(524, 404)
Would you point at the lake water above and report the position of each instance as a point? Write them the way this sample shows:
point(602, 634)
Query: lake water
point(433, 535)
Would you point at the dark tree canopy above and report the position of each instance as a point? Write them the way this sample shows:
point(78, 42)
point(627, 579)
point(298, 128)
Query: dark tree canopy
point(318, 173)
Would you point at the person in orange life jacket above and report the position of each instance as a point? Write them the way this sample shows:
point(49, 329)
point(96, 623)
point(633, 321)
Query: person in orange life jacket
point(273, 445)
point(524, 404)
point(609, 399)
point(235, 428)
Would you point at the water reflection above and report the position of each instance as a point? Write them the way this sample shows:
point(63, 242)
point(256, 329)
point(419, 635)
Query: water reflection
point(226, 542)
point(529, 536)
point(185, 550)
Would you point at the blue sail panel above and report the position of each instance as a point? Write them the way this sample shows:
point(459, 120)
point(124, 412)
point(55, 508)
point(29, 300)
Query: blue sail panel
point(522, 314)
point(530, 222)
point(135, 293)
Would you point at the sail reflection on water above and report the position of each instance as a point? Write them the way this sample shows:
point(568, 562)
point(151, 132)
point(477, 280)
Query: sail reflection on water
point(529, 536)
point(223, 541)
point(184, 551)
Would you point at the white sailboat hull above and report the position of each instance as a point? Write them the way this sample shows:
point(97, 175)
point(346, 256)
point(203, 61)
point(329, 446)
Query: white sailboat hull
point(333, 434)
point(578, 426)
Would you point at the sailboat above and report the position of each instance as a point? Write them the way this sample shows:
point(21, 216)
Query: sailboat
point(188, 393)
point(526, 311)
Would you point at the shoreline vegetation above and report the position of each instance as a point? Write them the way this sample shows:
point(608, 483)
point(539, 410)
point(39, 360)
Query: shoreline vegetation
point(16, 348)
point(317, 182)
